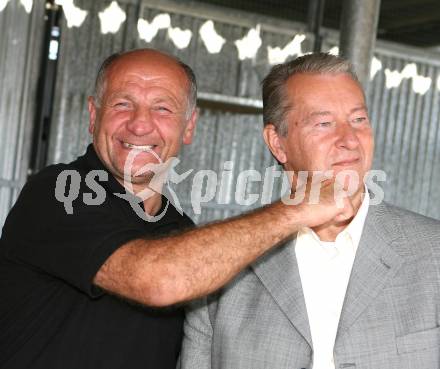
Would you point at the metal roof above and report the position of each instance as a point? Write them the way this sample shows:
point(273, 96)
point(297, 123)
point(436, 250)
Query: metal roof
point(412, 22)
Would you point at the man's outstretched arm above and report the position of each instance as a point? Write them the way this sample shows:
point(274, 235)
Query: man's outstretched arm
point(178, 268)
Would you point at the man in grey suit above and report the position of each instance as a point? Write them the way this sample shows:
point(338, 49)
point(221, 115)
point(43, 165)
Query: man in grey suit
point(361, 293)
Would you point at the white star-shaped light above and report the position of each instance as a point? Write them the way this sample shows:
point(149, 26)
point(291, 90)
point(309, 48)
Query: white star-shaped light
point(181, 38)
point(3, 4)
point(111, 18)
point(421, 84)
point(27, 4)
point(75, 16)
point(334, 51)
point(393, 78)
point(147, 31)
point(248, 46)
point(277, 55)
point(410, 71)
point(376, 66)
point(212, 40)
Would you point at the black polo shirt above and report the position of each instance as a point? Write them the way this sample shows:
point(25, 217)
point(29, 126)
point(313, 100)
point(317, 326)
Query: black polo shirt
point(51, 315)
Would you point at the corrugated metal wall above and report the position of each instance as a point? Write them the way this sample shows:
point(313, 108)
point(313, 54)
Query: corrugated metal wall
point(20, 45)
point(407, 133)
point(222, 135)
point(406, 122)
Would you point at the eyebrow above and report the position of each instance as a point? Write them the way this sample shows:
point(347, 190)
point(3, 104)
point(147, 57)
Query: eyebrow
point(320, 113)
point(327, 112)
point(161, 99)
point(127, 96)
point(120, 95)
point(358, 108)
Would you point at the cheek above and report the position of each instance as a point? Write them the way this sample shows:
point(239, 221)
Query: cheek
point(299, 153)
point(171, 131)
point(367, 143)
point(113, 121)
point(319, 147)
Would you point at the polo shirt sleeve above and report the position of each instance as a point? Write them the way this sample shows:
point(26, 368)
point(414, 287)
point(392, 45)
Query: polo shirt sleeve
point(40, 234)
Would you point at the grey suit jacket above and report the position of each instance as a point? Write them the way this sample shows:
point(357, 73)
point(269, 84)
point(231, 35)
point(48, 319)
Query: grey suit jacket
point(390, 317)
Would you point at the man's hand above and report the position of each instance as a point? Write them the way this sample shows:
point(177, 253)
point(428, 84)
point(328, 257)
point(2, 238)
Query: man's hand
point(322, 201)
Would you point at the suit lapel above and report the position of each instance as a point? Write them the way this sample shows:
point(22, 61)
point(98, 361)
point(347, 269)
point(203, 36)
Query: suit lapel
point(375, 264)
point(278, 272)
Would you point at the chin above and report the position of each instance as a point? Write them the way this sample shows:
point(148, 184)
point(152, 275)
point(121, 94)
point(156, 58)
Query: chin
point(360, 172)
point(357, 181)
point(144, 178)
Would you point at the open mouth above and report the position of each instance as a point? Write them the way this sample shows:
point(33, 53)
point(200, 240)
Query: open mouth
point(139, 149)
point(145, 148)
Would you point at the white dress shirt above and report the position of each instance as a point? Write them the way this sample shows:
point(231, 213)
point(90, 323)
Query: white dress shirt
point(325, 268)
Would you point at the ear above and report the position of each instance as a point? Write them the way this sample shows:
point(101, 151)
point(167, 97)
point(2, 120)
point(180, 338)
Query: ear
point(275, 143)
point(92, 113)
point(190, 127)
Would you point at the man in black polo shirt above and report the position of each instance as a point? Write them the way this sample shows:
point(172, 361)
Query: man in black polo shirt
point(85, 284)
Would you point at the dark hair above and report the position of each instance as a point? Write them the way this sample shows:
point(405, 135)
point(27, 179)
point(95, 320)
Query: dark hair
point(100, 81)
point(275, 101)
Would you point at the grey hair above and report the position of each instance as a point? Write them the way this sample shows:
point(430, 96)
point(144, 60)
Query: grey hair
point(275, 101)
point(101, 78)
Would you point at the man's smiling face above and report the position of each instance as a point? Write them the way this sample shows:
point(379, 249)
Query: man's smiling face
point(144, 106)
point(328, 126)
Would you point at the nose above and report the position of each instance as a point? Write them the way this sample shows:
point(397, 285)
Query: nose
point(141, 122)
point(346, 136)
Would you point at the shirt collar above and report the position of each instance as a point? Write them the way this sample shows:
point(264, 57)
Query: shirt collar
point(93, 162)
point(353, 230)
point(356, 226)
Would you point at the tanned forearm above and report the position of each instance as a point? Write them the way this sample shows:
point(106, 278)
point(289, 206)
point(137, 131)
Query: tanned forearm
point(170, 270)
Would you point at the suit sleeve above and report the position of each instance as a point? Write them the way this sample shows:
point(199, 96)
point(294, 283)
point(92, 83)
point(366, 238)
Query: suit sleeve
point(196, 346)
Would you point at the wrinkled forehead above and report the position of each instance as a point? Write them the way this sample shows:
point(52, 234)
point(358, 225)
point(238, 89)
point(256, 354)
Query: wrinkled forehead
point(147, 66)
point(321, 89)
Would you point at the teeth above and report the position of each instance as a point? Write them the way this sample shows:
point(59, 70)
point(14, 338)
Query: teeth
point(138, 147)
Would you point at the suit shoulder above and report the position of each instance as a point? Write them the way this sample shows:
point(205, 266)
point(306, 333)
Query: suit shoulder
point(414, 220)
point(420, 228)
